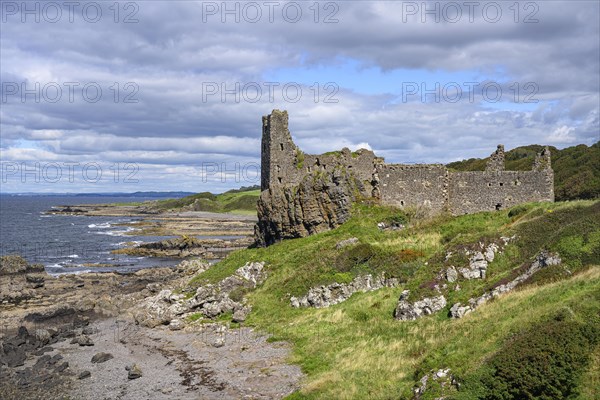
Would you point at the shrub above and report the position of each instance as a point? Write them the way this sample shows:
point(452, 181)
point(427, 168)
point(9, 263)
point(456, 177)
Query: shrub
point(354, 256)
point(517, 210)
point(543, 362)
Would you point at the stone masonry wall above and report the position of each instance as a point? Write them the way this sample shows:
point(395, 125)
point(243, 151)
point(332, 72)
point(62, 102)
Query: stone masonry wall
point(304, 194)
point(414, 185)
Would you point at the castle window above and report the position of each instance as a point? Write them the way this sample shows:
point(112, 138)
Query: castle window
point(278, 168)
point(489, 184)
point(279, 179)
point(498, 206)
point(501, 184)
point(402, 203)
point(281, 145)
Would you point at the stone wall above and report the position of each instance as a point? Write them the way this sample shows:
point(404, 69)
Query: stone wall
point(470, 192)
point(420, 185)
point(304, 194)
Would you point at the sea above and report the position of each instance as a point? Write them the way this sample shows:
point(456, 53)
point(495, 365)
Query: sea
point(71, 244)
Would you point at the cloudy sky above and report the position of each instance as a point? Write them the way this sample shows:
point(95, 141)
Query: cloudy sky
point(156, 95)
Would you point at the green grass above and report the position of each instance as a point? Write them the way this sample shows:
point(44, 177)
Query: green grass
point(237, 201)
point(356, 349)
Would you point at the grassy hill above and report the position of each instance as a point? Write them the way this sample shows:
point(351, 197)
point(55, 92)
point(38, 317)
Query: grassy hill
point(240, 201)
point(576, 169)
point(539, 341)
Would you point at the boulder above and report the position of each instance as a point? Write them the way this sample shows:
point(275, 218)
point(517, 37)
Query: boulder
point(84, 374)
point(99, 358)
point(134, 372)
point(241, 313)
point(451, 274)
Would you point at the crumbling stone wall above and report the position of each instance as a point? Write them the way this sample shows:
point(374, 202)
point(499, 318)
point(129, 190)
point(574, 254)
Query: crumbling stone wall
point(472, 192)
point(283, 163)
point(304, 194)
point(420, 185)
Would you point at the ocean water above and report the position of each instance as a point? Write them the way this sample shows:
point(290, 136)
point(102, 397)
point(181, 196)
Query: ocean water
point(70, 244)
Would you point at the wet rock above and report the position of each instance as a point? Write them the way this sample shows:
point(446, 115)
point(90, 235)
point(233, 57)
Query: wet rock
point(99, 358)
point(406, 311)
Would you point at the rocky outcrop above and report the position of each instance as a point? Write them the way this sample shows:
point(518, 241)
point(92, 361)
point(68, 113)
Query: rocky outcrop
point(320, 202)
point(479, 259)
point(406, 311)
point(184, 246)
point(168, 308)
point(325, 296)
point(443, 379)
point(542, 260)
point(19, 280)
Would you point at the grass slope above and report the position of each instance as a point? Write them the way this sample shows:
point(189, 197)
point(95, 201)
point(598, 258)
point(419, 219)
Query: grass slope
point(357, 350)
point(576, 168)
point(239, 201)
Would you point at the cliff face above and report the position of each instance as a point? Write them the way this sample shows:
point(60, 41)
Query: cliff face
point(319, 203)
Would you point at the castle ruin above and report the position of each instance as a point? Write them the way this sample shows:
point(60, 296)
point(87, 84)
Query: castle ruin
point(291, 177)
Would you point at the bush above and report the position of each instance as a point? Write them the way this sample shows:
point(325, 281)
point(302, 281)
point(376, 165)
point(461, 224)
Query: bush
point(354, 256)
point(397, 219)
point(517, 210)
point(544, 362)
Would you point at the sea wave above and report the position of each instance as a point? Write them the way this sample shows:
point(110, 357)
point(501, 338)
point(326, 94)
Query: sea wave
point(104, 225)
point(83, 271)
point(116, 232)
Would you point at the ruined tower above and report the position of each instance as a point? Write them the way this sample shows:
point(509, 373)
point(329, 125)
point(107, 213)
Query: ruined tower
point(278, 150)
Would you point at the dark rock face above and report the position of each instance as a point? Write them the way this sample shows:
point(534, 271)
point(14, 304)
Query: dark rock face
point(319, 203)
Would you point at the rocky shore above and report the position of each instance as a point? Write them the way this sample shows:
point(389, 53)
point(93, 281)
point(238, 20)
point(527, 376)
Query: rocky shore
point(197, 233)
point(79, 337)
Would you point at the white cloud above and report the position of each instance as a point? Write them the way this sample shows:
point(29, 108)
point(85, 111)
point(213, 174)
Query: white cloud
point(170, 53)
point(562, 135)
